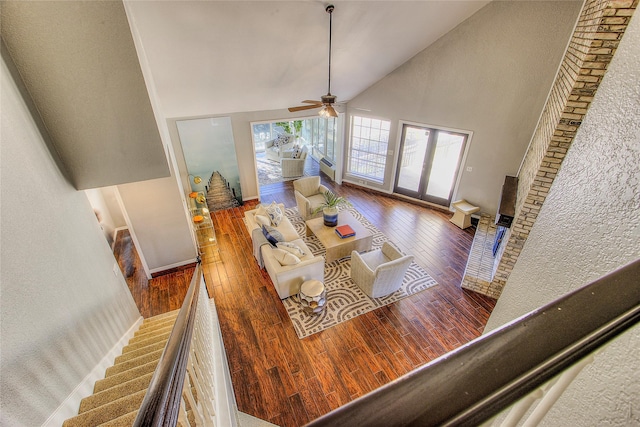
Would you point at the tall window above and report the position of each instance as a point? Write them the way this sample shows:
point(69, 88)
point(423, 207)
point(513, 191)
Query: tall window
point(367, 156)
point(318, 133)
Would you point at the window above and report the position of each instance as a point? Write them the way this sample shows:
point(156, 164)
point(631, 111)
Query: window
point(318, 133)
point(367, 156)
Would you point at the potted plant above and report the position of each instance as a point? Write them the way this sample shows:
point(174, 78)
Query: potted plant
point(330, 208)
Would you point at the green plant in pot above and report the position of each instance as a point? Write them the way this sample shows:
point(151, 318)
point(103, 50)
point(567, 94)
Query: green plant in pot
point(330, 208)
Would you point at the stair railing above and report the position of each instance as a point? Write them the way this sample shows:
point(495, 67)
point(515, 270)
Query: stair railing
point(532, 358)
point(161, 403)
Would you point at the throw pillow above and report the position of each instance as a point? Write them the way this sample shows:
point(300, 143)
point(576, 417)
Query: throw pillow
point(296, 153)
point(262, 220)
point(275, 214)
point(273, 236)
point(260, 210)
point(291, 247)
point(284, 257)
point(280, 140)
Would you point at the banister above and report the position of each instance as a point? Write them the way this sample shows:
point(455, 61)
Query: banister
point(476, 381)
point(161, 403)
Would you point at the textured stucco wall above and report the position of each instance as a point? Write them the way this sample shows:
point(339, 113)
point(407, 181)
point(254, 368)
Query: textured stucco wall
point(62, 308)
point(589, 226)
point(489, 75)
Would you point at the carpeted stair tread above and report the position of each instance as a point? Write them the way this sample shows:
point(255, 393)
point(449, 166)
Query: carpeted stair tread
point(172, 313)
point(114, 393)
point(137, 345)
point(123, 377)
point(139, 352)
point(156, 325)
point(124, 421)
point(150, 321)
point(133, 363)
point(107, 412)
point(150, 334)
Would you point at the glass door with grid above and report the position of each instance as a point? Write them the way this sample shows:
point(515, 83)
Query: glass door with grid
point(429, 162)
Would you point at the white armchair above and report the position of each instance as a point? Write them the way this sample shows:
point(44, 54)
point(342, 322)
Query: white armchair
point(379, 272)
point(309, 196)
point(292, 167)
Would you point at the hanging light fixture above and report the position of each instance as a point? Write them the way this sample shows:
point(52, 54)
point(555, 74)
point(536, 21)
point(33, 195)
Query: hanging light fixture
point(328, 110)
point(327, 100)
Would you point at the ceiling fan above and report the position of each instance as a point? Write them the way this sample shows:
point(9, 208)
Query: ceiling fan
point(328, 99)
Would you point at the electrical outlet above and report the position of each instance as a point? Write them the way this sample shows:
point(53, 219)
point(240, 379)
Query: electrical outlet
point(469, 169)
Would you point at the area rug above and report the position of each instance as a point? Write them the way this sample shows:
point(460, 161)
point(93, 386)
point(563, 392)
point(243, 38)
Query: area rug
point(345, 300)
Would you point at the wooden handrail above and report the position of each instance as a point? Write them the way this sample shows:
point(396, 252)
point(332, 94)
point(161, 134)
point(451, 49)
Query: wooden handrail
point(161, 403)
point(476, 381)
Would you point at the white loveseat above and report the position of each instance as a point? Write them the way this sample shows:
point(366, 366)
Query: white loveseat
point(286, 278)
point(275, 149)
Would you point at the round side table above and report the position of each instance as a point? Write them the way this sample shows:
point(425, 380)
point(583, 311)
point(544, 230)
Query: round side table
point(313, 296)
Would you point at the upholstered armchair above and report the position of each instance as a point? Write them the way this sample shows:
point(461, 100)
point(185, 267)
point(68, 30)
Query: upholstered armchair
point(275, 148)
point(309, 196)
point(293, 166)
point(379, 272)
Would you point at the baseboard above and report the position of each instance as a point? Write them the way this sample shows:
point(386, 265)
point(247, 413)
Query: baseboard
point(165, 269)
point(69, 408)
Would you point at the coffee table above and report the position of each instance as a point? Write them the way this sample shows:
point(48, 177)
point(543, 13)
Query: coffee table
point(336, 246)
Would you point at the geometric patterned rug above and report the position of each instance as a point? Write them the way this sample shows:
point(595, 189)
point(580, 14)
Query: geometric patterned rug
point(345, 300)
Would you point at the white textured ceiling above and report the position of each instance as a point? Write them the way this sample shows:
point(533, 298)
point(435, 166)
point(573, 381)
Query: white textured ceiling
point(219, 57)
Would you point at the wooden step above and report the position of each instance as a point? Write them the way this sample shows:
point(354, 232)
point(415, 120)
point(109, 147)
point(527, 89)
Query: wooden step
point(114, 393)
point(133, 363)
point(107, 412)
point(123, 377)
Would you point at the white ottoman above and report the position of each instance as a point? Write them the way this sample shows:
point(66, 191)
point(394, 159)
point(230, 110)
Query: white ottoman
point(462, 215)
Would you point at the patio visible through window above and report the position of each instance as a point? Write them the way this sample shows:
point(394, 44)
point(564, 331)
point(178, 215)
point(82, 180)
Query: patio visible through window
point(368, 148)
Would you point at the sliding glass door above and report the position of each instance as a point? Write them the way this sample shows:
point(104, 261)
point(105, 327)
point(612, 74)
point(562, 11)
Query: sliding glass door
point(429, 162)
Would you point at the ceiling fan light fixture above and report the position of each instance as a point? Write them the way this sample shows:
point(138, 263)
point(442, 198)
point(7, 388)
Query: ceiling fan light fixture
point(328, 111)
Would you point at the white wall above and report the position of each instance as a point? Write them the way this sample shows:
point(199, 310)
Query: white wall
point(157, 214)
point(79, 62)
point(62, 307)
point(589, 226)
point(490, 75)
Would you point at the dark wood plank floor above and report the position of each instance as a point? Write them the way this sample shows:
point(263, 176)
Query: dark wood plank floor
point(287, 381)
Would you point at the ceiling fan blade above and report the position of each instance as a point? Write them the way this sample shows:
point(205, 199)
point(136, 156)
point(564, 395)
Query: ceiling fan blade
point(304, 107)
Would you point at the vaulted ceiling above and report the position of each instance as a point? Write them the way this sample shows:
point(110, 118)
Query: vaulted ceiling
point(217, 57)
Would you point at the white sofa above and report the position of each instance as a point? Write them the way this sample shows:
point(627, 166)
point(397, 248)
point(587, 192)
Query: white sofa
point(288, 231)
point(286, 278)
point(275, 153)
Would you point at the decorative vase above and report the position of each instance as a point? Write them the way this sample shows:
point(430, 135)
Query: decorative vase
point(330, 216)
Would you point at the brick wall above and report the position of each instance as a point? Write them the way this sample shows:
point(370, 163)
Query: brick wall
point(600, 28)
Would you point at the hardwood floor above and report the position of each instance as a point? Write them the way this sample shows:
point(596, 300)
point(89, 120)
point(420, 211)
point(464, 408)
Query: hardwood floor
point(289, 382)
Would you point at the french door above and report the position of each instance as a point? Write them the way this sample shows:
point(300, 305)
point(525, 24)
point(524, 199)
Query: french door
point(429, 162)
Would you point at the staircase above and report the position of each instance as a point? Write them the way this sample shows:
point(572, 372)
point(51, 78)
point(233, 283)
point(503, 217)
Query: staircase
point(116, 398)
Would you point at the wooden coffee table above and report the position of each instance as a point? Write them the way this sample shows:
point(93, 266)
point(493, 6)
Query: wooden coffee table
point(336, 246)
